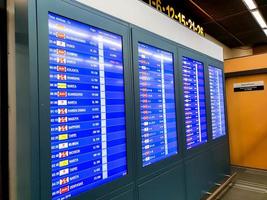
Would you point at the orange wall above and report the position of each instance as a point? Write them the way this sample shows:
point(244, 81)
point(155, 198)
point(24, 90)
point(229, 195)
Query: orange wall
point(247, 114)
point(246, 63)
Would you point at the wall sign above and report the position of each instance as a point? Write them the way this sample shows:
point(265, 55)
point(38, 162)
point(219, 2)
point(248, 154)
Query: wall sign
point(249, 86)
point(176, 15)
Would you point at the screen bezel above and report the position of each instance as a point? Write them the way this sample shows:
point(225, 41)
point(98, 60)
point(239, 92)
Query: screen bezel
point(86, 16)
point(144, 37)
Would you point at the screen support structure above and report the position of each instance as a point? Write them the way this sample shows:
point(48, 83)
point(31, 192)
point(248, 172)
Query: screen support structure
point(3, 104)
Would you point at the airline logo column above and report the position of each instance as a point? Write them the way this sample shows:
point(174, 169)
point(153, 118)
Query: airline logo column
point(157, 104)
point(87, 107)
point(194, 103)
point(217, 102)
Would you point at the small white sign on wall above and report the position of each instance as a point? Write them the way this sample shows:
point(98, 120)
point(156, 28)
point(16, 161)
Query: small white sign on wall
point(249, 86)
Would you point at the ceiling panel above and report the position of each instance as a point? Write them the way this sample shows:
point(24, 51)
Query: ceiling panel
point(221, 34)
point(220, 8)
point(230, 21)
point(263, 10)
point(261, 2)
point(242, 22)
point(252, 37)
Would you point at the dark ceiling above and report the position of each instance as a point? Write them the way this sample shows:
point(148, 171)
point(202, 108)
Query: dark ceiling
point(229, 21)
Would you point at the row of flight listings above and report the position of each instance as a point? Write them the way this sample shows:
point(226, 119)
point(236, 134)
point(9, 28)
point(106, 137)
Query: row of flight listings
point(87, 106)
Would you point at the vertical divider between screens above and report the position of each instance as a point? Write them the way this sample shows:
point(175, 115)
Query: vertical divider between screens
point(91, 17)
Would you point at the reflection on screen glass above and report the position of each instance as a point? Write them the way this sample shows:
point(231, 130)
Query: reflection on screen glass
point(194, 103)
point(157, 104)
point(217, 102)
point(87, 107)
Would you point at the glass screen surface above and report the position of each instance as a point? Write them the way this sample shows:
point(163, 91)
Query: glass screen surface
point(87, 107)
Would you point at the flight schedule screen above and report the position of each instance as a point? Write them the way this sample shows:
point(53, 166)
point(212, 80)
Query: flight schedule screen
point(87, 107)
point(194, 102)
point(157, 104)
point(217, 102)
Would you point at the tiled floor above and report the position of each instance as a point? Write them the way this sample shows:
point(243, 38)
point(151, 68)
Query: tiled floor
point(249, 184)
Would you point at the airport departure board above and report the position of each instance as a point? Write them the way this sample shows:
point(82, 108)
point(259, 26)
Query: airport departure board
point(194, 102)
point(157, 104)
point(217, 102)
point(87, 107)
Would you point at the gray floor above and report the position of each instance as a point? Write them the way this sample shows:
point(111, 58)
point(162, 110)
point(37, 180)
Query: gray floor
point(249, 184)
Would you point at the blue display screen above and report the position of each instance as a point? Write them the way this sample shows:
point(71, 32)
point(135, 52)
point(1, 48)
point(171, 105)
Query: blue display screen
point(87, 107)
point(194, 102)
point(217, 102)
point(157, 104)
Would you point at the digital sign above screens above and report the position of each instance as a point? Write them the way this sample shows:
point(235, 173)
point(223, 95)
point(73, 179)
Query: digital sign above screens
point(194, 103)
point(87, 107)
point(157, 104)
point(217, 102)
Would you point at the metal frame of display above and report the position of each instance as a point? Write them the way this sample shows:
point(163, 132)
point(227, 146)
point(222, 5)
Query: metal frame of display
point(140, 35)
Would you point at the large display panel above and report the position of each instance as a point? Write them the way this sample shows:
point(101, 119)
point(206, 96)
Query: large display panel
point(87, 107)
point(194, 102)
point(157, 104)
point(217, 102)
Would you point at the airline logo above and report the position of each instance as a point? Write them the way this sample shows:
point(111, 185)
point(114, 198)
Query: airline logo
point(62, 111)
point(63, 154)
point(62, 119)
point(62, 102)
point(64, 190)
point(59, 26)
point(145, 118)
point(61, 60)
point(61, 52)
point(62, 128)
point(63, 137)
point(64, 172)
point(62, 77)
point(147, 153)
point(64, 181)
point(60, 35)
point(62, 94)
point(146, 141)
point(63, 163)
point(63, 145)
point(61, 69)
point(61, 44)
point(61, 85)
point(147, 147)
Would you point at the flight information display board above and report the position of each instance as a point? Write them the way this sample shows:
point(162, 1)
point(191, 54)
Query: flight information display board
point(87, 107)
point(217, 102)
point(194, 102)
point(157, 104)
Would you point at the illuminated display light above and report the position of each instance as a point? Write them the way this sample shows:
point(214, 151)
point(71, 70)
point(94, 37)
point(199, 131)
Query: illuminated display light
point(217, 102)
point(87, 107)
point(257, 15)
point(157, 104)
point(194, 103)
point(251, 5)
